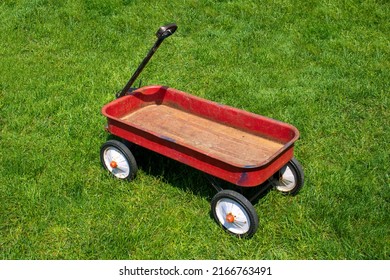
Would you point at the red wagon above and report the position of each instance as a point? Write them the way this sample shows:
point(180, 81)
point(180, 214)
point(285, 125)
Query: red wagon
point(239, 147)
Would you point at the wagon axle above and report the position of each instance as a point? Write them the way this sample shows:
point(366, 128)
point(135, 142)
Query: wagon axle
point(230, 218)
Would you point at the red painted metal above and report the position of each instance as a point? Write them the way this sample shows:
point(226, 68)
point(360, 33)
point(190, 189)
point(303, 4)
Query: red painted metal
point(125, 116)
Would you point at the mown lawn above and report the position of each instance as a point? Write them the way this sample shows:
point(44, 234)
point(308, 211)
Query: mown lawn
point(322, 66)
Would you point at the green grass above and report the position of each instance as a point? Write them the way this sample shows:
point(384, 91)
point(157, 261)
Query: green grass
point(322, 66)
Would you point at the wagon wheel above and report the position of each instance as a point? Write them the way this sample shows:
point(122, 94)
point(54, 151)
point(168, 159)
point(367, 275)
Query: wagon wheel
point(235, 213)
point(289, 179)
point(118, 160)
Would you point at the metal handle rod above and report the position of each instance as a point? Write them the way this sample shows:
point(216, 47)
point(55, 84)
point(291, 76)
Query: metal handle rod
point(161, 34)
point(140, 67)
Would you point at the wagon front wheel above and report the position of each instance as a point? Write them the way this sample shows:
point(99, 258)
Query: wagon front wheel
point(234, 213)
point(289, 179)
point(118, 160)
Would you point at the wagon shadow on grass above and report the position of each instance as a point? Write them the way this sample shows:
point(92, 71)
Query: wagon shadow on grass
point(231, 206)
point(187, 178)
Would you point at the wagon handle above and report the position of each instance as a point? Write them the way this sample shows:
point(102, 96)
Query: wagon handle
point(166, 31)
point(162, 33)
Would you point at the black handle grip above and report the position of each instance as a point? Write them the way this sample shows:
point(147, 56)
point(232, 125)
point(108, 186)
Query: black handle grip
point(166, 31)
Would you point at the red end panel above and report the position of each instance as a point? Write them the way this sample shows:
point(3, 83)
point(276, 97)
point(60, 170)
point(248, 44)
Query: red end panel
point(136, 100)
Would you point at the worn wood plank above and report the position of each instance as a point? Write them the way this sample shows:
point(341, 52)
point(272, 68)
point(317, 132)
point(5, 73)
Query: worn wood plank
point(220, 141)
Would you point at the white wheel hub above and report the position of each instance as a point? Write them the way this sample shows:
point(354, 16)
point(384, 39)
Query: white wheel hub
point(287, 180)
point(116, 162)
point(232, 216)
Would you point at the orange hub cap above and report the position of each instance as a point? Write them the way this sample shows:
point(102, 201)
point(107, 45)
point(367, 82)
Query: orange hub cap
point(229, 218)
point(113, 164)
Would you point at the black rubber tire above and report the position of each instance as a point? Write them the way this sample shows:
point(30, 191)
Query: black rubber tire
point(295, 169)
point(244, 209)
point(122, 149)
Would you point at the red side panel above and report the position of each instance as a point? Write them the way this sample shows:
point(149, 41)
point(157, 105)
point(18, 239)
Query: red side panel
point(234, 145)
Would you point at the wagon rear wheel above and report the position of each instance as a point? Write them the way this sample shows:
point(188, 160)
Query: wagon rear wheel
point(118, 160)
point(234, 213)
point(289, 179)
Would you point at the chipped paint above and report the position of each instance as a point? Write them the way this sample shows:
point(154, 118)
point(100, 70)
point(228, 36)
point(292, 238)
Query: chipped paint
point(243, 178)
point(168, 138)
point(250, 166)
